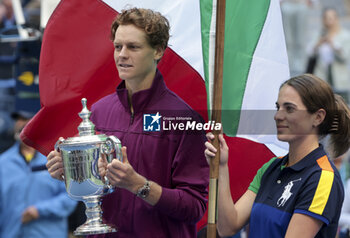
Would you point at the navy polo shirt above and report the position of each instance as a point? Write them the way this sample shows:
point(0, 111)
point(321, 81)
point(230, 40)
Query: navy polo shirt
point(312, 186)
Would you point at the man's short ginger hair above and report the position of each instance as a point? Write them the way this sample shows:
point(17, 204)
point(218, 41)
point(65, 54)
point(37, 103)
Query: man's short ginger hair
point(155, 25)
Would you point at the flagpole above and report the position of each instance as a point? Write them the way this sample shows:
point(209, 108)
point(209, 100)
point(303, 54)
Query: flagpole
point(216, 116)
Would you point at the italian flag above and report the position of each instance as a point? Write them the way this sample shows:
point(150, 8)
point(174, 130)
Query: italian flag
point(77, 61)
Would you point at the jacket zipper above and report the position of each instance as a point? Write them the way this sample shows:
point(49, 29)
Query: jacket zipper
point(132, 118)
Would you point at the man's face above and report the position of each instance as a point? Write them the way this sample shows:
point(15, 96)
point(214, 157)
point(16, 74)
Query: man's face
point(19, 125)
point(134, 57)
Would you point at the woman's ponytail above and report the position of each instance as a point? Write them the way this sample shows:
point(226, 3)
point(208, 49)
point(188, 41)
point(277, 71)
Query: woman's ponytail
point(340, 128)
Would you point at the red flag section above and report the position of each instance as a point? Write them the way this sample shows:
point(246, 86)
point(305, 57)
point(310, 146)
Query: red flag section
point(77, 61)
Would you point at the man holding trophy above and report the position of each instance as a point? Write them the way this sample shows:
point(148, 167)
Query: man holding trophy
point(161, 182)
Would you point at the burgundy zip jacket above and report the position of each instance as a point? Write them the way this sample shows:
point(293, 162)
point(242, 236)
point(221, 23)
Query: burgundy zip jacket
point(168, 151)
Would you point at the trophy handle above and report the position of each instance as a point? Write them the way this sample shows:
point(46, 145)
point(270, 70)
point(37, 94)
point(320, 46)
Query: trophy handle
point(112, 149)
point(114, 143)
point(59, 141)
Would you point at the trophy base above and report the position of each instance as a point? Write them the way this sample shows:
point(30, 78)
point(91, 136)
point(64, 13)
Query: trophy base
point(86, 229)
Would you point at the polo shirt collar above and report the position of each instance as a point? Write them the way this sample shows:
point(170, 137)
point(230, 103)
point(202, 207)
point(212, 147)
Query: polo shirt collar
point(307, 161)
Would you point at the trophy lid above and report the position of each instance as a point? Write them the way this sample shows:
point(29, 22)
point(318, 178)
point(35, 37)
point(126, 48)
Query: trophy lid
point(87, 135)
point(86, 127)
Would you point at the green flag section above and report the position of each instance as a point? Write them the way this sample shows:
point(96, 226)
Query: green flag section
point(245, 24)
point(255, 65)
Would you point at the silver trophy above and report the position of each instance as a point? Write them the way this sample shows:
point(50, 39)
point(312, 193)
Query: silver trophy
point(80, 157)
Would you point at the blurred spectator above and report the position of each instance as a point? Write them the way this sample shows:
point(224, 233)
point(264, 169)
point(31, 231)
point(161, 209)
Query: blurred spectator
point(7, 18)
point(19, 62)
point(31, 10)
point(32, 204)
point(344, 220)
point(7, 81)
point(330, 52)
point(295, 17)
point(7, 49)
point(347, 6)
point(6, 131)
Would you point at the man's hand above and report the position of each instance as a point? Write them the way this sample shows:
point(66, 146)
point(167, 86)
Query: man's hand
point(30, 214)
point(122, 174)
point(55, 165)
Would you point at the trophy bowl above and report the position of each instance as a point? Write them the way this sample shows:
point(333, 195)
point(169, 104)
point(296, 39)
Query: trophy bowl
point(81, 175)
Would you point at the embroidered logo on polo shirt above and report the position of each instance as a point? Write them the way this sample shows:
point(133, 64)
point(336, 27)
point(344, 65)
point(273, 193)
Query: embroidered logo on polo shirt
point(286, 193)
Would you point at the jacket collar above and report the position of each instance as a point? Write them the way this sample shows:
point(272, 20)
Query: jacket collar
point(142, 98)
